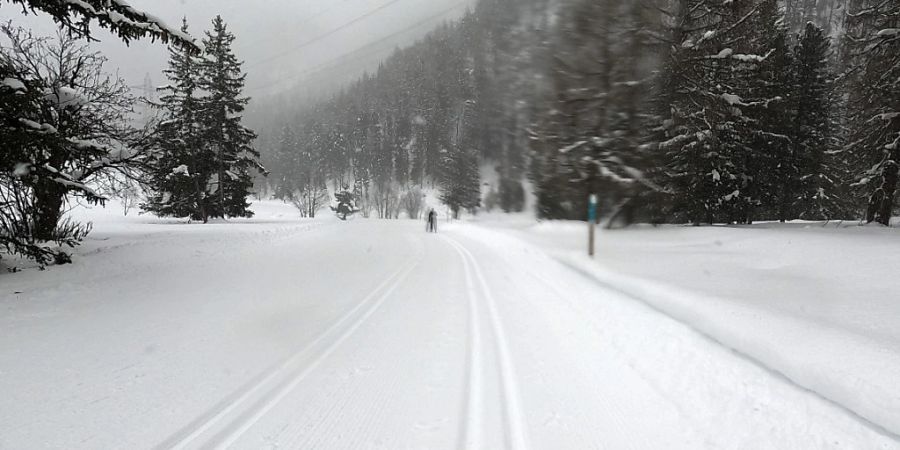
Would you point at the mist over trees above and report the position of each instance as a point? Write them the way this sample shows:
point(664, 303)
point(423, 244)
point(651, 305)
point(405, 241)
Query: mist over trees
point(695, 111)
point(429, 117)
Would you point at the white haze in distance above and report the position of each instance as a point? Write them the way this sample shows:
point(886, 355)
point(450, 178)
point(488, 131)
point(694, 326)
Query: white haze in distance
point(283, 42)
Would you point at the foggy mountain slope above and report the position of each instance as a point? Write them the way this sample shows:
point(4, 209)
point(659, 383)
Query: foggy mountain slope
point(284, 89)
point(270, 32)
point(443, 101)
point(576, 97)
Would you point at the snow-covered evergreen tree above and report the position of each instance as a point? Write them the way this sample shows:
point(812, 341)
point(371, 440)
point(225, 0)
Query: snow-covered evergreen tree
point(595, 129)
point(184, 162)
point(771, 165)
point(122, 19)
point(285, 159)
point(725, 89)
point(460, 179)
point(21, 96)
point(817, 189)
point(460, 182)
point(64, 127)
point(222, 81)
point(826, 14)
point(346, 204)
point(873, 46)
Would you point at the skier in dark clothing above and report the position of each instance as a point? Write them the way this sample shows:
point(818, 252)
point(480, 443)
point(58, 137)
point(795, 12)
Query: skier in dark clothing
point(432, 222)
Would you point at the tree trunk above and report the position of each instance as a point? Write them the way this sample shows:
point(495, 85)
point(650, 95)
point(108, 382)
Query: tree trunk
point(881, 204)
point(201, 208)
point(222, 180)
point(48, 202)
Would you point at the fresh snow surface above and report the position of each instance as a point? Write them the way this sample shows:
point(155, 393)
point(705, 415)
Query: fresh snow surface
point(280, 332)
point(813, 302)
point(13, 83)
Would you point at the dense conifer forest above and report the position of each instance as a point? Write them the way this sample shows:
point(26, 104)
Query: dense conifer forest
point(696, 111)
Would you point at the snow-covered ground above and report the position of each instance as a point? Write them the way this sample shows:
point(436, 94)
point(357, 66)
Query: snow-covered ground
point(815, 302)
point(289, 333)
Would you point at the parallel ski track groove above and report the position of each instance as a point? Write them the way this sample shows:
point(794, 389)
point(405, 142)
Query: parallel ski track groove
point(243, 423)
point(516, 436)
point(470, 434)
point(267, 389)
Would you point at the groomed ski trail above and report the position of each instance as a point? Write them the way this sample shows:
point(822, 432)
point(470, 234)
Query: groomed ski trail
point(514, 425)
point(227, 422)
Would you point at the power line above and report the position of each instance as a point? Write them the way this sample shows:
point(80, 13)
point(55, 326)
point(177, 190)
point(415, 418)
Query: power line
point(336, 61)
point(326, 34)
point(305, 21)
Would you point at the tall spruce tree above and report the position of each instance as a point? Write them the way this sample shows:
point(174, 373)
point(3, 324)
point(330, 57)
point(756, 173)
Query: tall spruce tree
point(817, 187)
point(596, 127)
point(770, 165)
point(873, 49)
point(460, 180)
point(184, 162)
point(725, 88)
point(700, 126)
point(222, 80)
point(285, 158)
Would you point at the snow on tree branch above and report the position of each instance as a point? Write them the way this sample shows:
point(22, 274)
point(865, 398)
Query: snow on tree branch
point(116, 15)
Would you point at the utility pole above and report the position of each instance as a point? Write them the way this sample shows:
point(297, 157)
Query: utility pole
point(592, 222)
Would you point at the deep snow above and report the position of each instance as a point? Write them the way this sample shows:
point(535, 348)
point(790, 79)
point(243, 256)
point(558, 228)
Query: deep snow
point(281, 332)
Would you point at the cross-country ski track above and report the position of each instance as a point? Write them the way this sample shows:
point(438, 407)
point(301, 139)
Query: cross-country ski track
point(372, 335)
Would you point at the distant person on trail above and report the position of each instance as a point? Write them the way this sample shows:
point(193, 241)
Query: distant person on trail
point(432, 222)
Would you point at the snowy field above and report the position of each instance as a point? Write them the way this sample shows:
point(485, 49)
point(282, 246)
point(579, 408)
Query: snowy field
point(277, 332)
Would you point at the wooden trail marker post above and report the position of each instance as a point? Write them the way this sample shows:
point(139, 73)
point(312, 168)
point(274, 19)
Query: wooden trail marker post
point(592, 222)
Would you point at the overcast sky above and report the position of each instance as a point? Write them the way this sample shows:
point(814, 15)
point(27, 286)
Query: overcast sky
point(281, 41)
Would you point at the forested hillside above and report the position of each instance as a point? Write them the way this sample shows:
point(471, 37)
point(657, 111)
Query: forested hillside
point(696, 111)
point(429, 116)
